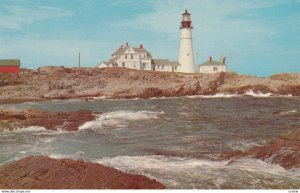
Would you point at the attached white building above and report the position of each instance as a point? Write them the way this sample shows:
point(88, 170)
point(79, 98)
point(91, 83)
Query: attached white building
point(212, 66)
point(138, 58)
point(165, 65)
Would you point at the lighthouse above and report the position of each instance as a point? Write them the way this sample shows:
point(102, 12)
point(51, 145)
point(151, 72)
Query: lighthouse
point(186, 54)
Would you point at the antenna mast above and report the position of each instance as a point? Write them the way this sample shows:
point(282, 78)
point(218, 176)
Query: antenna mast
point(79, 60)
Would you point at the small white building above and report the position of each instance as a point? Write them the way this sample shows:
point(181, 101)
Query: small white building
point(212, 66)
point(138, 58)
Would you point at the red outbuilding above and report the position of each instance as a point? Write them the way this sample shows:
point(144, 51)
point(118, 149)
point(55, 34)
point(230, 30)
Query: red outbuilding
point(10, 66)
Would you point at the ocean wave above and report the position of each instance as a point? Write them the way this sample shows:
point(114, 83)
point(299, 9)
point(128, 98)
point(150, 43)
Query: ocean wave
point(26, 129)
point(35, 130)
point(257, 94)
point(119, 118)
point(244, 144)
point(179, 172)
point(218, 95)
point(286, 112)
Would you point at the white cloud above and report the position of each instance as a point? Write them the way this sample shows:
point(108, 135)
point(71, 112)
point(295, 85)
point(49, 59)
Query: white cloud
point(16, 17)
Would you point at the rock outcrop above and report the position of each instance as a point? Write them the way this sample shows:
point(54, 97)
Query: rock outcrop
point(62, 83)
point(283, 150)
point(11, 119)
point(46, 173)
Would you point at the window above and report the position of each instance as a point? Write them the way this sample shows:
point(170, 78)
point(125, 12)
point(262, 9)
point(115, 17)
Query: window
point(123, 64)
point(125, 56)
point(188, 54)
point(162, 66)
point(157, 66)
point(144, 65)
point(134, 64)
point(131, 56)
point(175, 67)
point(144, 56)
point(215, 68)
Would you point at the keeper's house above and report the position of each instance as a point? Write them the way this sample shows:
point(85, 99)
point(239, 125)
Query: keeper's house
point(10, 66)
point(138, 58)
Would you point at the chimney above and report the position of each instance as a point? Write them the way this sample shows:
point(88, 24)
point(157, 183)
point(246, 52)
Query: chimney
point(141, 46)
point(210, 58)
point(127, 44)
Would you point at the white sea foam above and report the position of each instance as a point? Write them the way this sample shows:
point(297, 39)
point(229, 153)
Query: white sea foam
point(243, 144)
point(288, 112)
point(257, 94)
point(178, 172)
point(218, 95)
point(99, 98)
point(28, 129)
point(119, 118)
point(157, 162)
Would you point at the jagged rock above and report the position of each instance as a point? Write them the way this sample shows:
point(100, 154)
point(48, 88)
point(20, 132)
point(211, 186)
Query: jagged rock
point(42, 172)
point(283, 150)
point(12, 119)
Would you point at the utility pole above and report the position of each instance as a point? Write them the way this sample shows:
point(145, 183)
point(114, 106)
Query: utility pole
point(79, 60)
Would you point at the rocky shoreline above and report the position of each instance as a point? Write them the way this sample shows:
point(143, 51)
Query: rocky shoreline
point(49, 83)
point(13, 119)
point(41, 172)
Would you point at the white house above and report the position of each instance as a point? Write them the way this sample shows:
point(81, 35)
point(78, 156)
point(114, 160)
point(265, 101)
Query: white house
point(138, 58)
point(129, 57)
point(212, 66)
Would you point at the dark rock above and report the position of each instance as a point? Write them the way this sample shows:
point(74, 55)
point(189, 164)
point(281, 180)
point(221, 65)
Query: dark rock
point(283, 150)
point(70, 121)
point(42, 172)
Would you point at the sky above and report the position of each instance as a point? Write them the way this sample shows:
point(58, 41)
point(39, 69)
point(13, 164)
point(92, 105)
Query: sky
point(257, 37)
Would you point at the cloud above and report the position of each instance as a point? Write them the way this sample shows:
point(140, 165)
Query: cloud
point(16, 17)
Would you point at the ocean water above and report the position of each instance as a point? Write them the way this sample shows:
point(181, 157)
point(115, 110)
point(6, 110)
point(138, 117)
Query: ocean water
point(177, 141)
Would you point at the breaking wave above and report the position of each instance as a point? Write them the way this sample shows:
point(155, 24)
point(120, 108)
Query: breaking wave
point(27, 129)
point(257, 94)
point(119, 118)
point(218, 95)
point(244, 144)
point(177, 172)
point(287, 112)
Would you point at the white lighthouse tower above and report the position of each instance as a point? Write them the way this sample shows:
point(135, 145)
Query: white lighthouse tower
point(186, 54)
